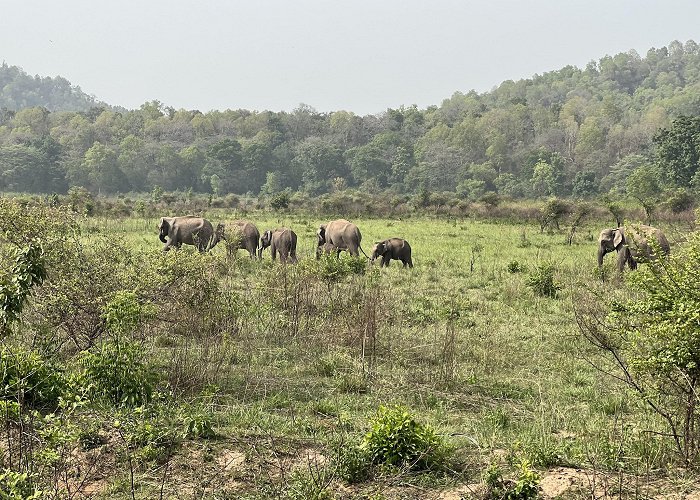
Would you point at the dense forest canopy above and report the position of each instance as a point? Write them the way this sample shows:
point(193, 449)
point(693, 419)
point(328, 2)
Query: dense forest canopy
point(623, 123)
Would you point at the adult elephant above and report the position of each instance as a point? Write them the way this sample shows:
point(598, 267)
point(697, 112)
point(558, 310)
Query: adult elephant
point(342, 234)
point(190, 230)
point(282, 240)
point(632, 244)
point(239, 234)
point(393, 248)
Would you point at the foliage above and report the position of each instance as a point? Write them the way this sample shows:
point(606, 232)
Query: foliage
point(396, 438)
point(541, 280)
point(117, 372)
point(653, 338)
point(332, 269)
point(18, 486)
point(526, 486)
point(27, 271)
point(279, 201)
point(29, 380)
point(555, 134)
point(678, 150)
point(516, 267)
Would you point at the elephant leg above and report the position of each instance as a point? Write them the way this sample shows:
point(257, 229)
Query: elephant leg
point(385, 260)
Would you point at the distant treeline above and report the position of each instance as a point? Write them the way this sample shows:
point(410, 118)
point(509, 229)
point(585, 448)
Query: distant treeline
point(625, 124)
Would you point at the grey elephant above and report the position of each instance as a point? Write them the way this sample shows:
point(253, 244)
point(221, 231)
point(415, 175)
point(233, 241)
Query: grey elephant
point(632, 244)
point(342, 234)
point(393, 248)
point(239, 234)
point(282, 240)
point(190, 230)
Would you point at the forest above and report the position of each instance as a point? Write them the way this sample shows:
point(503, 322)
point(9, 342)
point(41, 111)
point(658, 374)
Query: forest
point(620, 125)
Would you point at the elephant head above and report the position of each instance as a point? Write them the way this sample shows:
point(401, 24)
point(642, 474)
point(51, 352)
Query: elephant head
point(378, 250)
point(320, 240)
point(164, 229)
point(610, 240)
point(265, 239)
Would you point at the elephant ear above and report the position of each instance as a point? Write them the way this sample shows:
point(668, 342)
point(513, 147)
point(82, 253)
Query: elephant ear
point(618, 237)
point(321, 234)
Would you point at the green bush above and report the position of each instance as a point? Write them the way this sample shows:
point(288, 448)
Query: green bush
point(516, 267)
point(523, 488)
point(541, 281)
point(332, 269)
point(16, 486)
point(117, 373)
point(30, 380)
point(396, 438)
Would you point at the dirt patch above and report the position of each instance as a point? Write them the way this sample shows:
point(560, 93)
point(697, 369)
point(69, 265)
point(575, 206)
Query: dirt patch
point(231, 460)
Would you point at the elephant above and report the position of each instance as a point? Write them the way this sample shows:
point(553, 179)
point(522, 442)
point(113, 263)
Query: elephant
point(342, 234)
point(189, 229)
point(239, 234)
point(393, 248)
point(282, 240)
point(632, 244)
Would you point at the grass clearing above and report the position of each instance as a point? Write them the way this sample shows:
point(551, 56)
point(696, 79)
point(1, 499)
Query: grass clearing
point(289, 368)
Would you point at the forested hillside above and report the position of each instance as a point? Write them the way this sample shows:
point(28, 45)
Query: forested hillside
point(569, 132)
point(19, 90)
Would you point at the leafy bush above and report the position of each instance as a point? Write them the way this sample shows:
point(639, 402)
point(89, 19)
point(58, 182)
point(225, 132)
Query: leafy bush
point(332, 269)
point(525, 487)
point(29, 380)
point(118, 374)
point(516, 267)
point(280, 200)
point(16, 486)
point(541, 281)
point(396, 438)
point(680, 200)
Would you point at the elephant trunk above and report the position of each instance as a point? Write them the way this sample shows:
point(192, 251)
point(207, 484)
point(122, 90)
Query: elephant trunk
point(162, 237)
point(601, 253)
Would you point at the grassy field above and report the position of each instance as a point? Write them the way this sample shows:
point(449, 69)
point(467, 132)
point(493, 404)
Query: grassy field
point(292, 370)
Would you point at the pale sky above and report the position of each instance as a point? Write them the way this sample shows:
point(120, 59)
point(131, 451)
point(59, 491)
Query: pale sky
point(361, 55)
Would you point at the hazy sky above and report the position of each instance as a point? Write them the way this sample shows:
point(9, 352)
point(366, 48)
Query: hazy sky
point(360, 55)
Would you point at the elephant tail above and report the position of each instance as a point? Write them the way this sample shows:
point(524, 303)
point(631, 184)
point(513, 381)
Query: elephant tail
point(363, 252)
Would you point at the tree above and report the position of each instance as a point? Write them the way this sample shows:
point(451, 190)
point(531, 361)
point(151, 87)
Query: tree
point(225, 162)
point(319, 161)
point(643, 186)
point(678, 150)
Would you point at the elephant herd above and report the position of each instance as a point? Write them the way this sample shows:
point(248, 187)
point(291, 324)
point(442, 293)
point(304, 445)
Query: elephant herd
point(335, 236)
point(633, 244)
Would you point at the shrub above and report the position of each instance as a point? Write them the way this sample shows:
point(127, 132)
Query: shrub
point(680, 200)
point(16, 486)
point(525, 487)
point(332, 269)
point(396, 438)
point(516, 267)
point(280, 200)
point(29, 379)
point(118, 374)
point(541, 281)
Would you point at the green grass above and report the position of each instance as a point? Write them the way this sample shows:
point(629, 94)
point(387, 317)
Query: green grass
point(461, 341)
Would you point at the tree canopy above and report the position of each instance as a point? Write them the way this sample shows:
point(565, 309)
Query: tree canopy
point(571, 132)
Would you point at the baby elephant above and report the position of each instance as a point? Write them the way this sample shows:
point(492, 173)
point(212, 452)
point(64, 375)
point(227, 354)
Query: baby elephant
point(393, 248)
point(282, 240)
